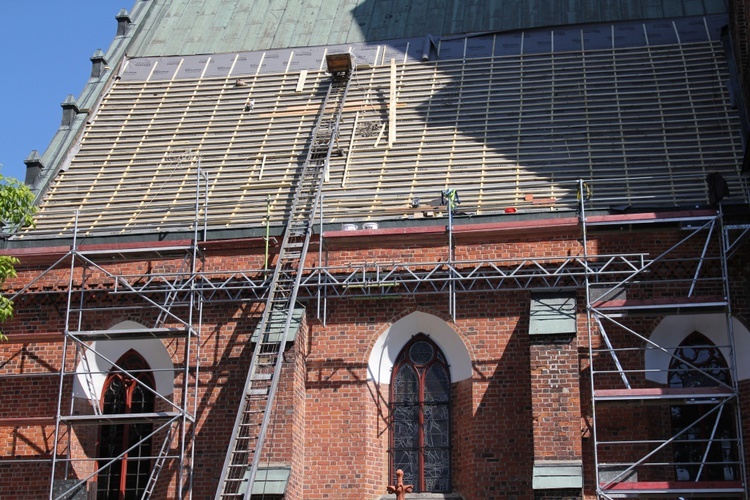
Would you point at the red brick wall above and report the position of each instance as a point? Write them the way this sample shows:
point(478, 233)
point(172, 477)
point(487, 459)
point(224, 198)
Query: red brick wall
point(555, 377)
point(330, 423)
point(297, 478)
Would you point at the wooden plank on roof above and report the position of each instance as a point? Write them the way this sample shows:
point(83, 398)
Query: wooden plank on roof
point(392, 106)
point(562, 144)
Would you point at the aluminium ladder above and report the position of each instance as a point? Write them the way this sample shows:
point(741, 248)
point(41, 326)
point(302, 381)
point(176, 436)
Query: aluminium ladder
point(254, 413)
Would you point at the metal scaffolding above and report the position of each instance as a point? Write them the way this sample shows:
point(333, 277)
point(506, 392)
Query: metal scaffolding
point(672, 455)
point(460, 120)
point(174, 306)
point(689, 275)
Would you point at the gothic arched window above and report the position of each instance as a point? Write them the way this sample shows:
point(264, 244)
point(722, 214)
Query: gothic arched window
point(420, 410)
point(124, 392)
point(707, 450)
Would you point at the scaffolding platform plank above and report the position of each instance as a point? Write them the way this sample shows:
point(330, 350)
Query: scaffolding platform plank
point(637, 489)
point(34, 338)
point(145, 251)
point(122, 418)
point(667, 394)
point(670, 303)
point(26, 421)
point(131, 333)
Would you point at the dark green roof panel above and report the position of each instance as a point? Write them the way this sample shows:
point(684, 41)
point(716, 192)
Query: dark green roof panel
point(183, 27)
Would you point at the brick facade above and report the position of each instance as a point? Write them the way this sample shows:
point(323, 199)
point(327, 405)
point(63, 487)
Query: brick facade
point(527, 399)
point(522, 405)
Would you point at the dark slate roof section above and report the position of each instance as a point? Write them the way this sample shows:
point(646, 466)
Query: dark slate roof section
point(188, 27)
point(644, 115)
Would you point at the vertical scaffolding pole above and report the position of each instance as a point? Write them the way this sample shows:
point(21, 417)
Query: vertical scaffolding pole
point(450, 200)
point(268, 230)
point(321, 294)
point(724, 249)
point(63, 356)
point(582, 195)
point(451, 288)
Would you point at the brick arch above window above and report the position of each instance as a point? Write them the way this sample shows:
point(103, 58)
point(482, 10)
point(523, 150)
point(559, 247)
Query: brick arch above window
point(104, 352)
point(673, 330)
point(390, 343)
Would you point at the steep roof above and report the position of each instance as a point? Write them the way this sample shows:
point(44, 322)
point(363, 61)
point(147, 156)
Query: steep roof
point(639, 109)
point(513, 119)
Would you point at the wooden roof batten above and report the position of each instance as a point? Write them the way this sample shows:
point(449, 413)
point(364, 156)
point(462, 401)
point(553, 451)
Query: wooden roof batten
point(520, 131)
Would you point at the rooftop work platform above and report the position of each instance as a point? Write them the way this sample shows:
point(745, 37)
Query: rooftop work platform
point(640, 110)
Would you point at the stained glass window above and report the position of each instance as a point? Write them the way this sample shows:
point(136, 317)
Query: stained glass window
point(124, 393)
point(420, 410)
point(706, 451)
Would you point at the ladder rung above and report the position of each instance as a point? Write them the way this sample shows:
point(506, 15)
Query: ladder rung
point(273, 327)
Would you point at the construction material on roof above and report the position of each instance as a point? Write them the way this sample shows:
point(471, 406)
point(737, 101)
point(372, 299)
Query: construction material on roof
point(641, 110)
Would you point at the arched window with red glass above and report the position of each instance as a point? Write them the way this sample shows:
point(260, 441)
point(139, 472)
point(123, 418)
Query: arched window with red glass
point(706, 449)
point(126, 391)
point(420, 411)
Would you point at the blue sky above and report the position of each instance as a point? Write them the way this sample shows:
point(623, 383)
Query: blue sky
point(45, 46)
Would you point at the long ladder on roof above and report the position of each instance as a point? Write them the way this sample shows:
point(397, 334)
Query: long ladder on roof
point(254, 413)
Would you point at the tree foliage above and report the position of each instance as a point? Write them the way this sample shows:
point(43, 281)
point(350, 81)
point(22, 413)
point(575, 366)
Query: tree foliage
point(17, 210)
point(17, 207)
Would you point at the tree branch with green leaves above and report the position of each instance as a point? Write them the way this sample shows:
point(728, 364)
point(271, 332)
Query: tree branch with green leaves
point(17, 210)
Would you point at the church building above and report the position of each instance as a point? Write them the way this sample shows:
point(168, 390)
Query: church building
point(490, 249)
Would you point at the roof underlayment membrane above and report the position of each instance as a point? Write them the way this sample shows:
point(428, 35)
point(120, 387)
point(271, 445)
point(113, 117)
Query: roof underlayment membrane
point(514, 121)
